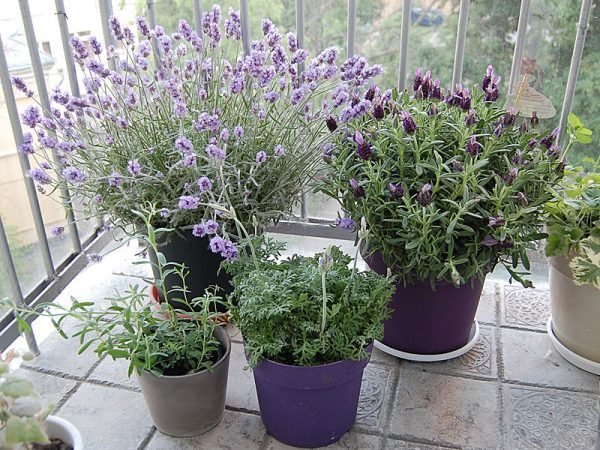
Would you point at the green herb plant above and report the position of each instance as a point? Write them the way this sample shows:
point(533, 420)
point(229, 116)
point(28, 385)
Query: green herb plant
point(573, 214)
point(306, 311)
point(22, 414)
point(156, 338)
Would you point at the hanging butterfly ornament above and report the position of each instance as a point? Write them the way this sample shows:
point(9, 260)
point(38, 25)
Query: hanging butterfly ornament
point(526, 100)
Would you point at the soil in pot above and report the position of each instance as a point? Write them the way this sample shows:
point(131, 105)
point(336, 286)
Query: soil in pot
point(54, 444)
point(203, 265)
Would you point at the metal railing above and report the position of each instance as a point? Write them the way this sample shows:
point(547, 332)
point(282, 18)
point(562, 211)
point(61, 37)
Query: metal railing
point(57, 276)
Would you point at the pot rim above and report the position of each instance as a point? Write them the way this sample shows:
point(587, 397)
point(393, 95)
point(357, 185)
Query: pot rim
point(293, 366)
point(71, 429)
point(226, 341)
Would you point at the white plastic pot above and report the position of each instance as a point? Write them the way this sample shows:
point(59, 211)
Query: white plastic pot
point(575, 311)
point(57, 427)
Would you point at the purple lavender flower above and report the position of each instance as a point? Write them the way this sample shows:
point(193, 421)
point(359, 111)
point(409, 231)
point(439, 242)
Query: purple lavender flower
point(94, 257)
point(95, 45)
point(487, 79)
point(509, 118)
point(261, 157)
point(340, 95)
point(279, 150)
point(473, 146)
point(408, 123)
point(233, 25)
point(231, 252)
point(238, 132)
point(188, 202)
point(524, 128)
point(207, 122)
point(271, 96)
point(436, 92)
point(215, 152)
point(396, 190)
point(31, 116)
point(345, 223)
point(378, 111)
point(80, 51)
point(425, 195)
point(298, 94)
point(204, 184)
point(471, 118)
point(134, 167)
point(98, 199)
point(496, 222)
point(183, 144)
point(292, 42)
point(363, 148)
point(48, 141)
point(189, 159)
point(554, 151)
point(432, 111)
point(21, 86)
point(489, 241)
point(211, 25)
point(115, 28)
point(74, 175)
point(211, 226)
point(199, 230)
point(26, 147)
point(57, 231)
point(299, 56)
point(511, 176)
point(115, 179)
point(418, 79)
point(217, 244)
point(185, 29)
point(356, 188)
point(549, 140)
point(165, 213)
point(518, 157)
point(142, 26)
point(39, 176)
point(465, 101)
point(327, 151)
point(534, 119)
point(331, 123)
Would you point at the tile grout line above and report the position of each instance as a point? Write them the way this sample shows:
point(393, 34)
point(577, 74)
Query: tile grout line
point(500, 364)
point(146, 441)
point(387, 421)
point(72, 392)
point(554, 388)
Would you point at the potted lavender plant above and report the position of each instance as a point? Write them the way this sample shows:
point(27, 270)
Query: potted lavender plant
point(450, 185)
point(177, 122)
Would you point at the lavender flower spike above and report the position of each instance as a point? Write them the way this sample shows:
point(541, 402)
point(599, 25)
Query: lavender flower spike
point(396, 190)
point(345, 223)
point(472, 147)
point(261, 157)
point(21, 86)
point(425, 196)
point(363, 148)
point(408, 123)
point(356, 188)
point(188, 202)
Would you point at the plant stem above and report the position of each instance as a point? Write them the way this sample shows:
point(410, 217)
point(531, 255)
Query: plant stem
point(324, 316)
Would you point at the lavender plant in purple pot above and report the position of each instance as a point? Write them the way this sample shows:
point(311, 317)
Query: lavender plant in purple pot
point(308, 324)
point(454, 185)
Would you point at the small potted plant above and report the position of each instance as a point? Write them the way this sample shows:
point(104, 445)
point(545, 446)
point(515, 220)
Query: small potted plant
point(179, 121)
point(573, 248)
point(308, 325)
point(450, 185)
point(24, 421)
point(181, 356)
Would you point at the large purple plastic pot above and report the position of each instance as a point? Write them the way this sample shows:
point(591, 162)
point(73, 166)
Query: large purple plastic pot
point(308, 406)
point(428, 322)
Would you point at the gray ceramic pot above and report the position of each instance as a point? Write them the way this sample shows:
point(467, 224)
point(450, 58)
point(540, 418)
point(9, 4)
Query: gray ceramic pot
point(188, 405)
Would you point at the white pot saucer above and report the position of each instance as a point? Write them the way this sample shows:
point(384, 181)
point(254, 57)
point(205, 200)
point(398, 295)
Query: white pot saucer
point(579, 361)
point(474, 337)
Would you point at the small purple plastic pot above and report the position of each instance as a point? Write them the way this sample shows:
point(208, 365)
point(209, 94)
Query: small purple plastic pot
point(308, 406)
point(428, 322)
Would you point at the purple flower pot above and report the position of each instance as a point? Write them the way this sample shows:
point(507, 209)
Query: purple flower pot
point(428, 322)
point(308, 406)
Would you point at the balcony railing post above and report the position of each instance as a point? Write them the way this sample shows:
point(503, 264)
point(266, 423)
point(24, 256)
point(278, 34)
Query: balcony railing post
point(582, 27)
point(515, 69)
point(404, 46)
point(461, 36)
point(61, 15)
point(351, 27)
point(34, 203)
point(245, 18)
point(13, 283)
point(198, 17)
point(106, 10)
point(300, 38)
point(38, 72)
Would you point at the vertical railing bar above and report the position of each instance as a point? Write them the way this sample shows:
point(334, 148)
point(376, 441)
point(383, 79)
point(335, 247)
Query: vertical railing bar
point(198, 17)
point(152, 20)
point(40, 82)
point(300, 39)
point(13, 282)
point(582, 27)
point(106, 10)
point(34, 204)
point(515, 69)
point(245, 18)
point(351, 27)
point(461, 36)
point(64, 37)
point(404, 45)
